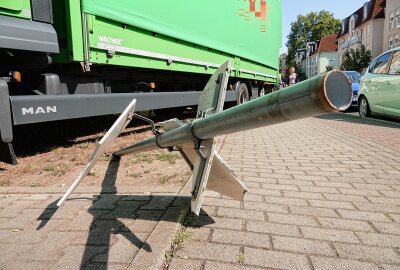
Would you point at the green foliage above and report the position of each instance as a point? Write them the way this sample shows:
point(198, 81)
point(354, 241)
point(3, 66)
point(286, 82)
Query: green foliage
point(309, 28)
point(357, 59)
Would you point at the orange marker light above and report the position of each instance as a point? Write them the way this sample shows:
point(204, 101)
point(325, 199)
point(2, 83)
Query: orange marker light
point(16, 75)
point(152, 85)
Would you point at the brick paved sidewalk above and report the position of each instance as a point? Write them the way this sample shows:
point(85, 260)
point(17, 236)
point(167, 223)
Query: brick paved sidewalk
point(125, 229)
point(324, 194)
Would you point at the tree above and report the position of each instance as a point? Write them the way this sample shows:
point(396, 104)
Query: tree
point(310, 28)
point(357, 59)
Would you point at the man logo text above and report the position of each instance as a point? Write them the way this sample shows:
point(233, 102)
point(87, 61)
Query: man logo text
point(39, 110)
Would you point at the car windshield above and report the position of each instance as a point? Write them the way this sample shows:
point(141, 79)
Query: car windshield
point(354, 76)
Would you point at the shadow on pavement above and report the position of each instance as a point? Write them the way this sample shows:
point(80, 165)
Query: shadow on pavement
point(352, 118)
point(109, 208)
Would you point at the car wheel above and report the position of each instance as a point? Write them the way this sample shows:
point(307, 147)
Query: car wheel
point(242, 94)
point(363, 108)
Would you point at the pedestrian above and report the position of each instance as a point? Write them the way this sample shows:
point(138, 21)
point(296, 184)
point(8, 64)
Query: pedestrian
point(293, 78)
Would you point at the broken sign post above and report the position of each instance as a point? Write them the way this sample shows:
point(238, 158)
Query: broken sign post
point(326, 93)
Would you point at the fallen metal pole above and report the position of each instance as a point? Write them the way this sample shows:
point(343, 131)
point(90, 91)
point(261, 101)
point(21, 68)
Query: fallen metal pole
point(326, 93)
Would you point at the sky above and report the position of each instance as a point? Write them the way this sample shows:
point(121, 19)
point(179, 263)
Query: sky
point(292, 8)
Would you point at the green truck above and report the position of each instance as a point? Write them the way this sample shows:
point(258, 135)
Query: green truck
point(67, 59)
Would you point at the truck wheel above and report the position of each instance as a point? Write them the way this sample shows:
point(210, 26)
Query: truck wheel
point(242, 95)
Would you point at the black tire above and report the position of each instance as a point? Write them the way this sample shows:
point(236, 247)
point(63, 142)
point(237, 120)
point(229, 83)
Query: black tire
point(242, 95)
point(363, 107)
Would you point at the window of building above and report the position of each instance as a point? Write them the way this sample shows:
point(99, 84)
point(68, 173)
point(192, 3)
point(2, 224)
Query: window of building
point(365, 10)
point(382, 64)
point(344, 24)
point(395, 64)
point(397, 19)
point(396, 40)
point(391, 20)
point(390, 43)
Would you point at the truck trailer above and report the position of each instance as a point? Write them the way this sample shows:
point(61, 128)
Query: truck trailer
point(67, 59)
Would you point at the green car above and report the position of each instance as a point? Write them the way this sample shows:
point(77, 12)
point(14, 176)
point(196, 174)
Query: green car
point(380, 86)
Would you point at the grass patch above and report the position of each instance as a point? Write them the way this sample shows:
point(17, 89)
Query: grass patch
point(135, 175)
point(106, 157)
point(143, 157)
point(166, 178)
point(28, 168)
point(57, 170)
point(389, 217)
point(93, 172)
point(5, 183)
point(36, 185)
point(180, 236)
point(241, 258)
point(84, 145)
point(168, 157)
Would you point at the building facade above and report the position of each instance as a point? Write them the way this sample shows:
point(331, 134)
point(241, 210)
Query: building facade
point(319, 56)
point(364, 27)
point(391, 37)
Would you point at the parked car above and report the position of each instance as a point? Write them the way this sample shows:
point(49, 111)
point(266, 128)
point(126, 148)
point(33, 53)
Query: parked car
point(354, 77)
point(380, 86)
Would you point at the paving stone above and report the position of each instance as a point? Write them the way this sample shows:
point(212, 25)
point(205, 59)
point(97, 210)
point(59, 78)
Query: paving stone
point(214, 222)
point(331, 204)
point(329, 234)
point(374, 207)
point(390, 267)
point(18, 265)
point(199, 234)
point(77, 256)
point(241, 238)
point(313, 211)
point(361, 192)
point(362, 215)
point(304, 195)
point(266, 207)
point(386, 227)
point(319, 189)
point(221, 202)
point(367, 253)
point(240, 213)
point(285, 201)
point(124, 249)
point(345, 198)
point(252, 198)
point(275, 259)
point(218, 266)
point(267, 192)
point(332, 183)
point(324, 263)
point(300, 245)
point(178, 264)
point(158, 203)
point(292, 219)
point(280, 187)
point(345, 224)
point(377, 239)
point(209, 251)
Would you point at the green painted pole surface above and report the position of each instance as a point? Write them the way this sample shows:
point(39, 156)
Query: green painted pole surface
point(326, 93)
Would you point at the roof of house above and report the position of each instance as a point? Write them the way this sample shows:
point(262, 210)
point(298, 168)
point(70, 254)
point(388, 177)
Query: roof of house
point(328, 44)
point(376, 11)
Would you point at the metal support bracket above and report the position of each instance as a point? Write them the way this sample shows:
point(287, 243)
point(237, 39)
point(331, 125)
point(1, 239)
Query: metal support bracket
point(7, 153)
